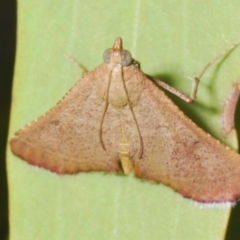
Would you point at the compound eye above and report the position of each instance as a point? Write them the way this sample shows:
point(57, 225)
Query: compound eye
point(126, 58)
point(107, 55)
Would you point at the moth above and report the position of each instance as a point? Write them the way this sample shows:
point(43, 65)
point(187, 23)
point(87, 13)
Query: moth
point(117, 119)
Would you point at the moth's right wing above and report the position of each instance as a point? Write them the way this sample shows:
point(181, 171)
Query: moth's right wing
point(179, 154)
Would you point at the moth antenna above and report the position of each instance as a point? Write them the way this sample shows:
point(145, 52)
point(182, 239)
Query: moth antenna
point(134, 117)
point(104, 111)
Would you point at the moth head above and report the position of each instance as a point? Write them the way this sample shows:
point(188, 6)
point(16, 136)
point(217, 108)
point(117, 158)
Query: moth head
point(117, 55)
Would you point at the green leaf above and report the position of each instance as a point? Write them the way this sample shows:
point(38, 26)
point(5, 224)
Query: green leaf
point(168, 38)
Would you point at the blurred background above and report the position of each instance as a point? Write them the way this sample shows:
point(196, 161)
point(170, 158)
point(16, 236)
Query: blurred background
point(7, 55)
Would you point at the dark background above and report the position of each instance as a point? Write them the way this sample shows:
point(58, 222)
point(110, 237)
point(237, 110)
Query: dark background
point(7, 56)
point(8, 11)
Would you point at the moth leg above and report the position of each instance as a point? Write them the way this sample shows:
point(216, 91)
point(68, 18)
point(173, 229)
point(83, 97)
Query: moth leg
point(171, 89)
point(230, 109)
point(136, 63)
point(195, 79)
point(77, 64)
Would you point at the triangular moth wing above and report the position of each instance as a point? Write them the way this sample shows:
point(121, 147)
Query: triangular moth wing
point(180, 154)
point(66, 138)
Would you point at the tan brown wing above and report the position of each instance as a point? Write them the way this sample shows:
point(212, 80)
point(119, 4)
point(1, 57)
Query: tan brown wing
point(66, 139)
point(179, 154)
